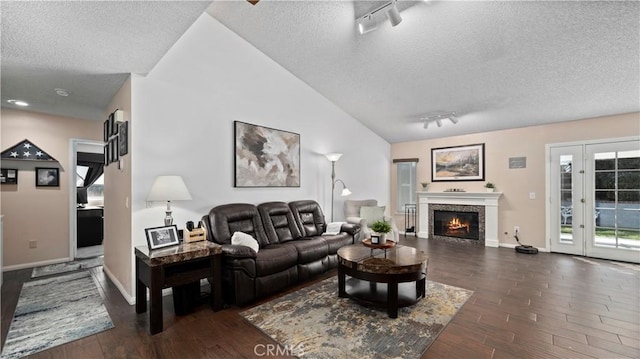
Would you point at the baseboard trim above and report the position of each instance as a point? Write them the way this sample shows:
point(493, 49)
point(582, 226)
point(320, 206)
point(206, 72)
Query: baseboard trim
point(35, 264)
point(130, 299)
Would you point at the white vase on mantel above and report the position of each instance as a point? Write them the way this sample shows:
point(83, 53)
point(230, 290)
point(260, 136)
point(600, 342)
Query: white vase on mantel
point(490, 189)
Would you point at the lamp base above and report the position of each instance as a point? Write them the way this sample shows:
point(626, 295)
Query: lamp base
point(168, 220)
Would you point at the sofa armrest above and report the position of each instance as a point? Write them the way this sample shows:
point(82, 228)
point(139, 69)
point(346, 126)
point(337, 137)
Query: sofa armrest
point(357, 220)
point(237, 251)
point(350, 228)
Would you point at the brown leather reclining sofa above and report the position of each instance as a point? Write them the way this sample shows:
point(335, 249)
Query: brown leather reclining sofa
point(292, 247)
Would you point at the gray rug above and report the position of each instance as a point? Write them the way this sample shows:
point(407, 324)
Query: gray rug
point(55, 311)
point(67, 267)
point(315, 323)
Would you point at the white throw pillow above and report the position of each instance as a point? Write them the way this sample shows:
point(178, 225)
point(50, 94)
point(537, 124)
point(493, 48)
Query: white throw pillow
point(372, 214)
point(243, 239)
point(333, 228)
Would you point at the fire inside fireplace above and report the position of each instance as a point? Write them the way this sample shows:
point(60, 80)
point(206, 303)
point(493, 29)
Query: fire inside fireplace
point(456, 224)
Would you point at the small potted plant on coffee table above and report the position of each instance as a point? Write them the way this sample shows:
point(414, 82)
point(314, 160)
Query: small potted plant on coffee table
point(381, 228)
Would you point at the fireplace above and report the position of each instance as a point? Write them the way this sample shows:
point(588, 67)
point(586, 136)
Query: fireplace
point(482, 204)
point(456, 224)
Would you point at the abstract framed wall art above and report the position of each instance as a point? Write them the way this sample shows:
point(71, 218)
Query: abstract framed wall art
point(265, 157)
point(458, 163)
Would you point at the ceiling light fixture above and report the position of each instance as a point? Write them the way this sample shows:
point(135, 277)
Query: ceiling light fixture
point(438, 118)
point(61, 92)
point(18, 103)
point(369, 21)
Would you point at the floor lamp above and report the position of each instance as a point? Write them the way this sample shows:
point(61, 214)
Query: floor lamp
point(334, 157)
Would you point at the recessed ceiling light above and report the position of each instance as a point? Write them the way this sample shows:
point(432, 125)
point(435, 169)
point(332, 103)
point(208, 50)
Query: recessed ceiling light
point(61, 92)
point(18, 102)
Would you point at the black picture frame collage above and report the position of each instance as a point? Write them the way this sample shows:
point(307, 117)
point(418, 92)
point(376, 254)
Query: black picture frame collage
point(116, 138)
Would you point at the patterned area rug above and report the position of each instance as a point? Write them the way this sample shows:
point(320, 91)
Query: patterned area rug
point(55, 311)
point(67, 267)
point(315, 323)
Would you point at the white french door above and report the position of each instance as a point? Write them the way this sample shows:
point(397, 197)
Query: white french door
point(594, 199)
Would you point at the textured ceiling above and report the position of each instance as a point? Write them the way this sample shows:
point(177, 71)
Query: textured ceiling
point(88, 48)
point(497, 64)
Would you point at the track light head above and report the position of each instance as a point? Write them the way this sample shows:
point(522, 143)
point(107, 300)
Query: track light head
point(394, 15)
point(367, 24)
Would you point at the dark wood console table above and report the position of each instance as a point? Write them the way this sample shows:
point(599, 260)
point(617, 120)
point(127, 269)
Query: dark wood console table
point(175, 266)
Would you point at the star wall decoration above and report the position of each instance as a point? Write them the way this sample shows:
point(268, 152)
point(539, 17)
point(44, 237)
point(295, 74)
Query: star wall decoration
point(26, 150)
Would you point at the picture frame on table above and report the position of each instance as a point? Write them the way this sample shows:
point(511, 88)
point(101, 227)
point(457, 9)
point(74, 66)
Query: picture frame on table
point(47, 177)
point(458, 163)
point(9, 176)
point(160, 237)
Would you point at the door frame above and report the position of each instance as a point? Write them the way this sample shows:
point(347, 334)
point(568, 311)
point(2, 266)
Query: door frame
point(548, 194)
point(74, 143)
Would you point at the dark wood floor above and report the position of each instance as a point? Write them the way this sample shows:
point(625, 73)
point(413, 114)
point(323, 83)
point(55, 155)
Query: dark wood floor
point(524, 306)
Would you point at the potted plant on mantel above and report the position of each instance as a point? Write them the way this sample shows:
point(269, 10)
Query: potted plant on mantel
point(490, 187)
point(381, 228)
point(424, 185)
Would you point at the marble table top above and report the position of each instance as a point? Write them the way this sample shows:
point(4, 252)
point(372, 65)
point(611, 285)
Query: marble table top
point(179, 253)
point(397, 260)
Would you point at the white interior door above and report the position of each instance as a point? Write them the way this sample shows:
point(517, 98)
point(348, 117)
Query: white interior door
point(566, 228)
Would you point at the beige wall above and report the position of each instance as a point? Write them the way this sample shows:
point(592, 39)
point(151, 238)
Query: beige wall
point(515, 206)
point(40, 214)
point(118, 249)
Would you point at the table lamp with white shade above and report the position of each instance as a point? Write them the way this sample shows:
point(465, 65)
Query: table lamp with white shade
point(168, 188)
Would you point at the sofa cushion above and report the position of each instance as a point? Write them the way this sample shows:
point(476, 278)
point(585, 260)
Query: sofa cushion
point(244, 239)
point(311, 249)
point(226, 219)
point(275, 258)
point(278, 222)
point(335, 242)
point(309, 217)
point(372, 214)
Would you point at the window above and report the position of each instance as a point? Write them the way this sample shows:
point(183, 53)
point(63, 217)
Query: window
point(406, 183)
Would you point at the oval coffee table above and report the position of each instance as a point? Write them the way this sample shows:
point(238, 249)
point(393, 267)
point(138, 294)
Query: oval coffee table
point(370, 269)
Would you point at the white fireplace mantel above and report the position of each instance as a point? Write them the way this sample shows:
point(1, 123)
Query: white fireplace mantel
point(487, 199)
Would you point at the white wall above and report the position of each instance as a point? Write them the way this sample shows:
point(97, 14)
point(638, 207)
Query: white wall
point(184, 111)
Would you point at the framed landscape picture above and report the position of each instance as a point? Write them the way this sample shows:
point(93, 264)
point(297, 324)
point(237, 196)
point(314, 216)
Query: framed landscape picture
point(265, 157)
point(459, 163)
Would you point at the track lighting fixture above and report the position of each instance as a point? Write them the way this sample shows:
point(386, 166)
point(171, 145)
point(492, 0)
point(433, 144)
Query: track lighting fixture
point(438, 118)
point(369, 21)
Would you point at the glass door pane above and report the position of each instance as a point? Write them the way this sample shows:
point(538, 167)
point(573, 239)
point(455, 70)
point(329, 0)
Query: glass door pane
point(615, 229)
point(566, 206)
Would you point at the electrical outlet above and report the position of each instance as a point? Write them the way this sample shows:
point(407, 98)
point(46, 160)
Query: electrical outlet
point(516, 229)
point(33, 244)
